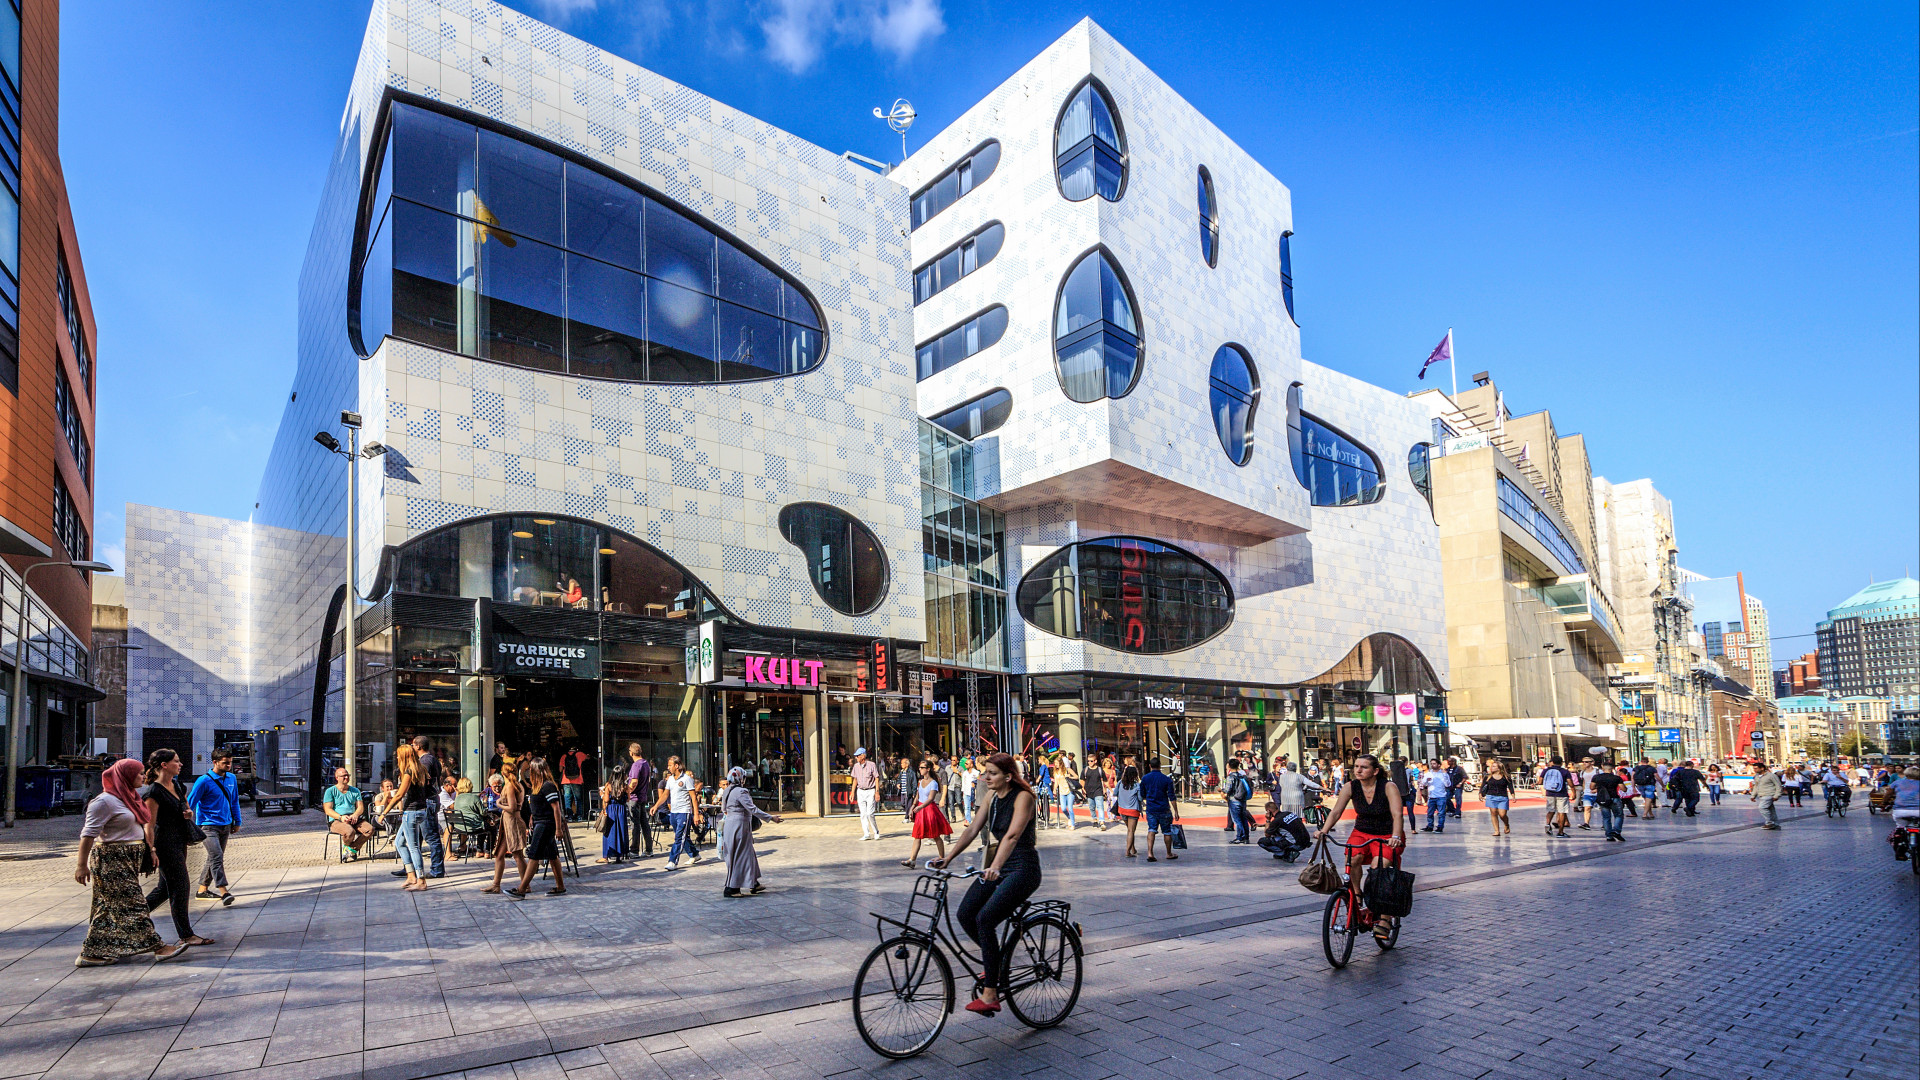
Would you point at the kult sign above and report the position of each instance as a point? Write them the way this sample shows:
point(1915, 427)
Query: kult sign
point(783, 671)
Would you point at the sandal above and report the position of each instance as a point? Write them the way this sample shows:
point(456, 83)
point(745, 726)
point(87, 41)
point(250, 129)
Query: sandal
point(1152, 859)
point(1133, 855)
point(908, 863)
point(197, 940)
point(491, 889)
point(560, 890)
point(88, 961)
point(757, 890)
point(162, 957)
point(1171, 856)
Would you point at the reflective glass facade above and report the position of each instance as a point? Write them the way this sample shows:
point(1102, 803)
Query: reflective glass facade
point(947, 189)
point(980, 332)
point(484, 245)
point(1518, 506)
point(1233, 392)
point(1209, 220)
point(958, 261)
point(1128, 593)
point(1096, 342)
point(964, 545)
point(972, 419)
point(844, 559)
point(1335, 470)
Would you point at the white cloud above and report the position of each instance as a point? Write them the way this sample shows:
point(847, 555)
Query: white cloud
point(798, 30)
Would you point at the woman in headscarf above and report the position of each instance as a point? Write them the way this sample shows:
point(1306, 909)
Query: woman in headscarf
point(737, 809)
point(113, 845)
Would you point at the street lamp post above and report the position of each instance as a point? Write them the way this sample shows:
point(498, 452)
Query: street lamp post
point(353, 452)
point(17, 706)
point(1553, 687)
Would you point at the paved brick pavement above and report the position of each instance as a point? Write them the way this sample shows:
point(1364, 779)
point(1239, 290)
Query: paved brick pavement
point(324, 970)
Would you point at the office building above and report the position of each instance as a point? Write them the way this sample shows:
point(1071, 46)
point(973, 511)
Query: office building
point(47, 387)
point(1656, 680)
point(681, 431)
point(1869, 646)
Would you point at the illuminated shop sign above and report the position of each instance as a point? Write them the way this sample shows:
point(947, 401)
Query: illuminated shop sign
point(783, 671)
point(556, 657)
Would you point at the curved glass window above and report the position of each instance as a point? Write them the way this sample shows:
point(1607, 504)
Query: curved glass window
point(969, 173)
point(844, 558)
point(972, 419)
point(1089, 146)
point(1233, 392)
point(1286, 273)
point(958, 261)
point(1519, 506)
point(1096, 341)
point(489, 246)
point(1209, 220)
point(1420, 470)
point(1335, 470)
point(1127, 593)
point(979, 332)
point(550, 561)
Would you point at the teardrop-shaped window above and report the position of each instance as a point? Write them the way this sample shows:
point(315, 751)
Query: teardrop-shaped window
point(1128, 593)
point(1090, 147)
point(500, 246)
point(844, 557)
point(1096, 340)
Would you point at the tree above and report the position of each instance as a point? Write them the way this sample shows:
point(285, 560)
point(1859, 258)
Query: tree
point(1815, 748)
point(1855, 745)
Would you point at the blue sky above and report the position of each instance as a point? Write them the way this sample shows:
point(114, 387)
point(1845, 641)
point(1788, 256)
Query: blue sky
point(1689, 230)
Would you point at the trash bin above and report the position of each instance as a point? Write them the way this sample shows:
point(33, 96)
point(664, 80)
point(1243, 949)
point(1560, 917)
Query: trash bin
point(40, 790)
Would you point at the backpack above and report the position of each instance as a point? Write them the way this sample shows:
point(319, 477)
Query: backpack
point(1239, 788)
point(1554, 779)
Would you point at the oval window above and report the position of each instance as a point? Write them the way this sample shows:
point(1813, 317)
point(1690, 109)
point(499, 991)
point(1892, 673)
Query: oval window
point(1286, 274)
point(1089, 146)
point(1234, 391)
point(493, 246)
point(844, 558)
point(972, 419)
point(1335, 470)
point(1096, 340)
point(1127, 593)
point(958, 261)
point(1209, 220)
point(947, 189)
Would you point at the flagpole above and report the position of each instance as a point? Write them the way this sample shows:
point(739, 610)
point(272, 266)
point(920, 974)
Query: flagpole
point(1453, 368)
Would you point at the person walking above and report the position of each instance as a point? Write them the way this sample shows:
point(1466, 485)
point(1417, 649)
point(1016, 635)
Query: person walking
point(1292, 786)
point(166, 834)
point(413, 795)
point(903, 782)
point(1588, 798)
point(1407, 780)
point(1555, 781)
point(677, 795)
point(1526, 772)
point(1661, 770)
point(1093, 781)
point(1794, 783)
point(928, 822)
point(215, 802)
point(738, 811)
point(1766, 791)
point(1126, 804)
point(1457, 777)
point(510, 836)
point(1239, 794)
point(1497, 791)
point(113, 844)
point(640, 780)
point(970, 786)
point(346, 810)
point(573, 783)
point(1438, 782)
point(1606, 789)
point(1011, 875)
point(435, 853)
point(1685, 782)
point(1629, 791)
point(1066, 779)
point(613, 803)
point(1647, 779)
point(1160, 807)
point(1716, 783)
point(545, 819)
point(866, 793)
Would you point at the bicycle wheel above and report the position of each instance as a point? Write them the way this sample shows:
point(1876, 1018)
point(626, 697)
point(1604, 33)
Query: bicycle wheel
point(902, 996)
point(1042, 972)
point(1393, 934)
point(1336, 928)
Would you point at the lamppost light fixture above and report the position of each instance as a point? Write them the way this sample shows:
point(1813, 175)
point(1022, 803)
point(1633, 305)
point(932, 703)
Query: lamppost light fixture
point(350, 419)
point(326, 439)
point(373, 450)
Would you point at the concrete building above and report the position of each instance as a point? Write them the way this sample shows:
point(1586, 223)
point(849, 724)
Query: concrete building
point(1869, 646)
point(1639, 568)
point(1810, 725)
point(110, 664)
point(1531, 632)
point(48, 379)
point(681, 431)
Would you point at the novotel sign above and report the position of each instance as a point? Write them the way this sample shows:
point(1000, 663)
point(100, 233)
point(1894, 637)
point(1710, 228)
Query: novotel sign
point(546, 656)
point(782, 671)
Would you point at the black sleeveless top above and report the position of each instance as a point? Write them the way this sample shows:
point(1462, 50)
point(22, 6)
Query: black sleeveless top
point(1376, 817)
point(1000, 819)
point(170, 824)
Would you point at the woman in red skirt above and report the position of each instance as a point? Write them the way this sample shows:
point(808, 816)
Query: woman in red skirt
point(928, 821)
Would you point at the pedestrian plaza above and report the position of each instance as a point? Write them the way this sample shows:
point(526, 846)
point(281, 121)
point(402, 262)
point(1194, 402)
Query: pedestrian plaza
point(1210, 965)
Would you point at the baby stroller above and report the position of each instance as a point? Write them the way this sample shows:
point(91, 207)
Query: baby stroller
point(1286, 836)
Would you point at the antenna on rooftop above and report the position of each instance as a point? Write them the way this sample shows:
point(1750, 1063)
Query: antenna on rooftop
point(899, 118)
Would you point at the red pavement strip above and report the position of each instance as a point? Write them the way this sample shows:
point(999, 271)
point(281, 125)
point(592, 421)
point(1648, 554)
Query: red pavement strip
point(1520, 802)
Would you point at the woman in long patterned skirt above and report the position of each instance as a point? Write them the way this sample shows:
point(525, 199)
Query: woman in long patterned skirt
point(113, 845)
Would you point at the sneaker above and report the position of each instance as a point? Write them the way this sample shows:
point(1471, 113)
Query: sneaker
point(1427, 828)
point(1586, 826)
point(672, 866)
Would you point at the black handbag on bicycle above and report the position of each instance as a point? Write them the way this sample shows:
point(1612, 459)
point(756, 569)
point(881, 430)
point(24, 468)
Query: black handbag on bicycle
point(1389, 891)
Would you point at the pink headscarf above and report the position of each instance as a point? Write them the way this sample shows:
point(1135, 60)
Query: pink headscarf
point(120, 781)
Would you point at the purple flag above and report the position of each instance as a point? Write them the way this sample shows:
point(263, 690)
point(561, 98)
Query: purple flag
point(1441, 352)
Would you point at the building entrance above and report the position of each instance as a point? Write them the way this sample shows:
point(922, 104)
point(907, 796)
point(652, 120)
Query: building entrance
point(764, 738)
point(548, 717)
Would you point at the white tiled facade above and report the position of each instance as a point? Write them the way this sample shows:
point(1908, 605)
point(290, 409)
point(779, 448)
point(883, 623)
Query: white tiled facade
point(1309, 583)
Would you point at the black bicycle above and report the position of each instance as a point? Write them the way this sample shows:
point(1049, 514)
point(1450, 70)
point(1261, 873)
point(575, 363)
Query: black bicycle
point(1837, 798)
point(904, 991)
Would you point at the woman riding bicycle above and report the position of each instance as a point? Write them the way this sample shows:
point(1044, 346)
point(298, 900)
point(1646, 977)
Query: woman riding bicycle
point(1011, 875)
point(1379, 832)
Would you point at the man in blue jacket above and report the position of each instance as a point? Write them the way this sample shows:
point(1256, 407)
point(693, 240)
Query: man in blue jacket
point(215, 801)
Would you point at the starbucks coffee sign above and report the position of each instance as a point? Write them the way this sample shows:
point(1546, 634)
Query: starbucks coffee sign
point(558, 658)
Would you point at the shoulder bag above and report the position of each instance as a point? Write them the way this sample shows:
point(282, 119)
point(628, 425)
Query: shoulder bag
point(1389, 891)
point(1321, 875)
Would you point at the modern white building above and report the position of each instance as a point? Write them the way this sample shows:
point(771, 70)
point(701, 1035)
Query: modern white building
point(649, 378)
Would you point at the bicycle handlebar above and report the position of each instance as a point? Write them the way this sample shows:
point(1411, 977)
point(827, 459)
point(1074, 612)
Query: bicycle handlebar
point(971, 871)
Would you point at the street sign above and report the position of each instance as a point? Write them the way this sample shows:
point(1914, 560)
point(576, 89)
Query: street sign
point(1669, 735)
point(1759, 737)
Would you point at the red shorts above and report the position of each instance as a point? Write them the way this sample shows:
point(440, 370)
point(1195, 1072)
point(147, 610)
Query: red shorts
point(1365, 847)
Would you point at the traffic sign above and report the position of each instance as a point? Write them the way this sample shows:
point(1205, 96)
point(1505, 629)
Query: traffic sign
point(1669, 735)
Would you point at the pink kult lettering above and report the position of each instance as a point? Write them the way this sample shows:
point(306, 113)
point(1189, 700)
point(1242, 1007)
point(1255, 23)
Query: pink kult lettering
point(813, 672)
point(777, 671)
point(756, 669)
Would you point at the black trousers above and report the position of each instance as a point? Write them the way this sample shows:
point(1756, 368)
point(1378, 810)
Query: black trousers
point(173, 884)
point(989, 903)
point(640, 821)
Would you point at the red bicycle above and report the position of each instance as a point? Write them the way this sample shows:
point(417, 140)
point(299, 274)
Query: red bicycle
point(1347, 915)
